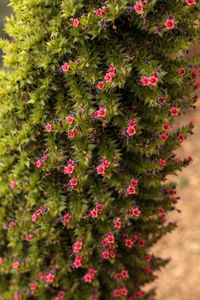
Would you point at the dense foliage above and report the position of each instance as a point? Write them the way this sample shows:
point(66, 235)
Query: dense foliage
point(88, 100)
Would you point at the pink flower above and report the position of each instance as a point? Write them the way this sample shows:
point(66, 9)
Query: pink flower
point(118, 276)
point(67, 217)
point(77, 264)
point(153, 80)
point(124, 274)
point(117, 224)
point(101, 170)
point(49, 278)
point(11, 224)
point(38, 163)
point(92, 272)
point(148, 270)
point(69, 169)
point(145, 81)
point(106, 163)
point(131, 190)
point(34, 218)
point(112, 71)
point(1, 260)
point(15, 264)
point(87, 278)
point(148, 257)
point(105, 255)
point(61, 294)
point(131, 131)
point(48, 127)
point(141, 243)
point(116, 293)
point(33, 286)
point(38, 212)
point(105, 8)
point(99, 12)
point(108, 78)
point(70, 120)
point(123, 291)
point(65, 67)
point(162, 162)
point(77, 246)
point(74, 181)
point(129, 243)
point(94, 213)
point(181, 137)
point(161, 210)
point(12, 184)
point(191, 2)
point(110, 238)
point(174, 111)
point(138, 7)
point(101, 112)
point(169, 24)
point(71, 134)
point(136, 212)
point(100, 85)
point(134, 182)
point(181, 72)
point(195, 71)
point(163, 137)
point(75, 22)
point(166, 127)
point(132, 123)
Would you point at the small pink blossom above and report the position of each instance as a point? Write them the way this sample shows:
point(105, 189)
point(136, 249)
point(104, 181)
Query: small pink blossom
point(174, 111)
point(12, 184)
point(136, 212)
point(38, 212)
point(105, 255)
point(99, 12)
point(191, 2)
point(117, 224)
point(153, 80)
point(65, 67)
point(15, 264)
point(131, 190)
point(101, 170)
point(108, 78)
point(166, 127)
point(71, 134)
point(129, 243)
point(181, 72)
point(48, 127)
point(134, 182)
point(34, 217)
point(74, 181)
point(38, 163)
point(94, 213)
point(101, 112)
point(163, 137)
point(87, 278)
point(77, 246)
point(76, 22)
point(69, 169)
point(169, 24)
point(138, 7)
point(106, 163)
point(49, 278)
point(100, 85)
point(162, 162)
point(145, 81)
point(70, 120)
point(67, 217)
point(132, 123)
point(131, 131)
point(33, 286)
point(1, 260)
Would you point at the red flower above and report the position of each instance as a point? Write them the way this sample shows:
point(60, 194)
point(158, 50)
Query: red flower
point(131, 190)
point(77, 246)
point(69, 169)
point(87, 278)
point(148, 270)
point(123, 291)
point(110, 238)
point(163, 137)
point(74, 181)
point(124, 274)
point(181, 137)
point(100, 85)
point(153, 80)
point(33, 286)
point(67, 218)
point(145, 81)
point(106, 163)
point(77, 264)
point(195, 71)
point(34, 218)
point(162, 162)
point(134, 182)
point(117, 224)
point(129, 243)
point(99, 12)
point(132, 123)
point(94, 213)
point(191, 2)
point(161, 210)
point(108, 77)
point(138, 7)
point(15, 264)
point(169, 24)
point(136, 212)
point(48, 127)
point(105, 255)
point(49, 278)
point(131, 131)
point(38, 163)
point(101, 170)
point(116, 293)
point(174, 111)
point(148, 257)
point(105, 8)
point(141, 243)
point(166, 127)
point(65, 67)
point(75, 22)
point(70, 120)
point(181, 72)
point(12, 184)
point(1, 260)
point(118, 276)
point(101, 112)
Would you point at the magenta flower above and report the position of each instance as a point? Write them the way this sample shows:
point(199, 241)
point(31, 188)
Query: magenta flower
point(48, 127)
point(169, 24)
point(12, 184)
point(76, 22)
point(15, 264)
point(65, 67)
point(138, 7)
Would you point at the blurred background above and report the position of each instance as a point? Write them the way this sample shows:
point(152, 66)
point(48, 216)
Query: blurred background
point(180, 279)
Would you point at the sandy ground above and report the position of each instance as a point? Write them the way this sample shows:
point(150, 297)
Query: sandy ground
point(179, 280)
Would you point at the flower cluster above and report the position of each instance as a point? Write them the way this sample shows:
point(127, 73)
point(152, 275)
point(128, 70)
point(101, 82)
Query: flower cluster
point(131, 189)
point(120, 292)
point(78, 261)
point(96, 212)
point(69, 169)
point(152, 80)
point(138, 6)
point(88, 277)
point(131, 128)
point(103, 167)
point(100, 113)
point(111, 72)
point(122, 275)
point(109, 251)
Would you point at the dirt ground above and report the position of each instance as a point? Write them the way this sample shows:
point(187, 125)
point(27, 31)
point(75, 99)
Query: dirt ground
point(179, 280)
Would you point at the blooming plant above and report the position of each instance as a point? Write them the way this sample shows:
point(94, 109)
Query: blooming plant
point(89, 93)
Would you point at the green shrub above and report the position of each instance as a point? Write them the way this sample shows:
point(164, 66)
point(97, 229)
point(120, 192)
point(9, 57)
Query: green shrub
point(86, 109)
